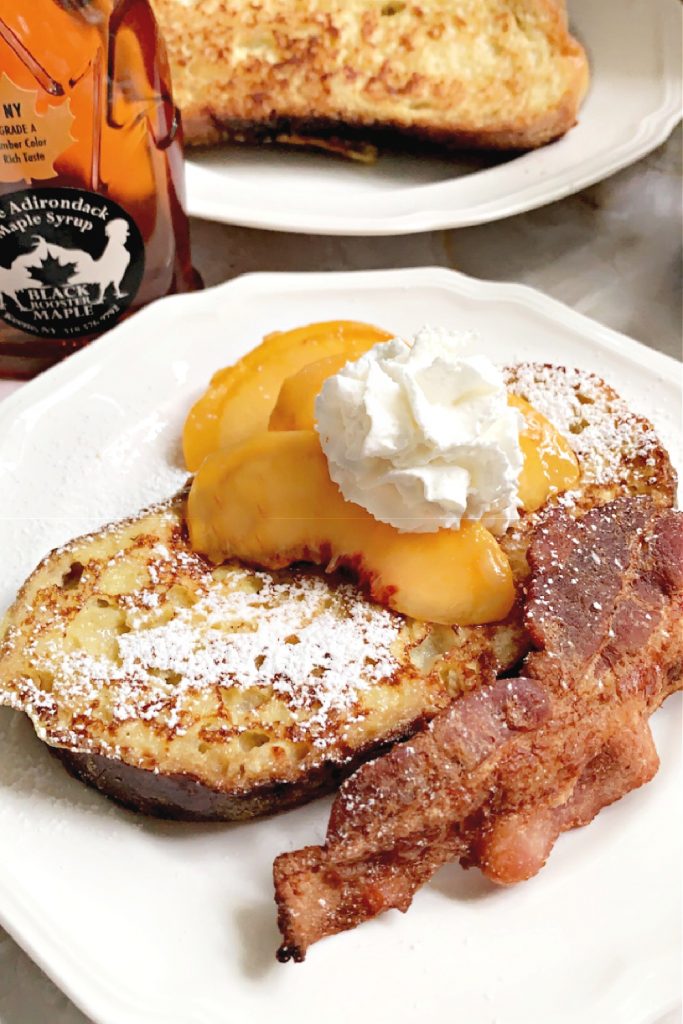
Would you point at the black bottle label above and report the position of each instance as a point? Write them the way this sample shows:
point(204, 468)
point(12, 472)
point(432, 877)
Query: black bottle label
point(71, 261)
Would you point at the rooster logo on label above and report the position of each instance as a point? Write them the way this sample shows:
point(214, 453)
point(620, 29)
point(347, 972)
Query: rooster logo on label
point(73, 266)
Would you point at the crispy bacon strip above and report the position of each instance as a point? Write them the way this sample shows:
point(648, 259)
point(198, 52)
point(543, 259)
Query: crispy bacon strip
point(496, 777)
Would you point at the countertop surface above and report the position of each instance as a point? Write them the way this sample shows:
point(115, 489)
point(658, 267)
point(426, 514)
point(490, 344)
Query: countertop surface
point(611, 252)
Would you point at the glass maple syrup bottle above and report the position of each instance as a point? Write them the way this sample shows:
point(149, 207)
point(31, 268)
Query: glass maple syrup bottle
point(92, 225)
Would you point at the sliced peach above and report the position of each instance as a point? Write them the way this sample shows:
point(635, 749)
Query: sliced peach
point(270, 501)
point(550, 465)
point(295, 406)
point(240, 398)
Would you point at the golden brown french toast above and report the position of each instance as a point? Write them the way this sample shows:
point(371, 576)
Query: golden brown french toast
point(495, 74)
point(188, 690)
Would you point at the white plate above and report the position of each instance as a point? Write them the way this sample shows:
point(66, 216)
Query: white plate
point(633, 104)
point(144, 922)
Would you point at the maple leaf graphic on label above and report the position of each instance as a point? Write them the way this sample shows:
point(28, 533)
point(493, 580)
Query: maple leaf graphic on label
point(33, 132)
point(52, 272)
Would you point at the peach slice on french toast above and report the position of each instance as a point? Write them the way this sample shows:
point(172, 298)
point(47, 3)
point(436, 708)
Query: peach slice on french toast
point(241, 398)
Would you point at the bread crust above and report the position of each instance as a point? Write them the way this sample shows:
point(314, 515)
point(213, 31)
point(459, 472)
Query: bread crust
point(206, 126)
point(183, 797)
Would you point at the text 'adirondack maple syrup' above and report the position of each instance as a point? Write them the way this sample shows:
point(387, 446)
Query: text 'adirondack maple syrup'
point(92, 225)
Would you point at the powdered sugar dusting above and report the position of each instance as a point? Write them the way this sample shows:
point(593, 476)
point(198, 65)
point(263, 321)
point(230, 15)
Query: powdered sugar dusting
point(316, 647)
point(606, 436)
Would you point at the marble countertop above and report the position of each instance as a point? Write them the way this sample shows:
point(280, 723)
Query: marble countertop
point(611, 252)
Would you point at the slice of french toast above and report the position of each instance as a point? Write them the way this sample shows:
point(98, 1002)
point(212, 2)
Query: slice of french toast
point(496, 74)
point(203, 692)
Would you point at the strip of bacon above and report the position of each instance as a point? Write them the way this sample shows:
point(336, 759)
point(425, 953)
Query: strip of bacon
point(496, 777)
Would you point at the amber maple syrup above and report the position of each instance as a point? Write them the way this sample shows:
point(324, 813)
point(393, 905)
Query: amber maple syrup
point(92, 225)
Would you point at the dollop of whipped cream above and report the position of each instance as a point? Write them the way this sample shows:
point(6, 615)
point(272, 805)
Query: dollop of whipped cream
point(421, 434)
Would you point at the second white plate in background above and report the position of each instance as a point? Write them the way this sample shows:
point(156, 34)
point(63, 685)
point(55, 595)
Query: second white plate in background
point(633, 104)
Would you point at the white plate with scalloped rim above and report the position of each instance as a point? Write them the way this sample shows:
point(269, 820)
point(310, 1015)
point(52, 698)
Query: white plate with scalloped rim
point(145, 922)
point(633, 104)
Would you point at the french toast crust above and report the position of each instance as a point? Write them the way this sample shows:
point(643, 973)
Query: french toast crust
point(181, 796)
point(208, 126)
point(123, 770)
